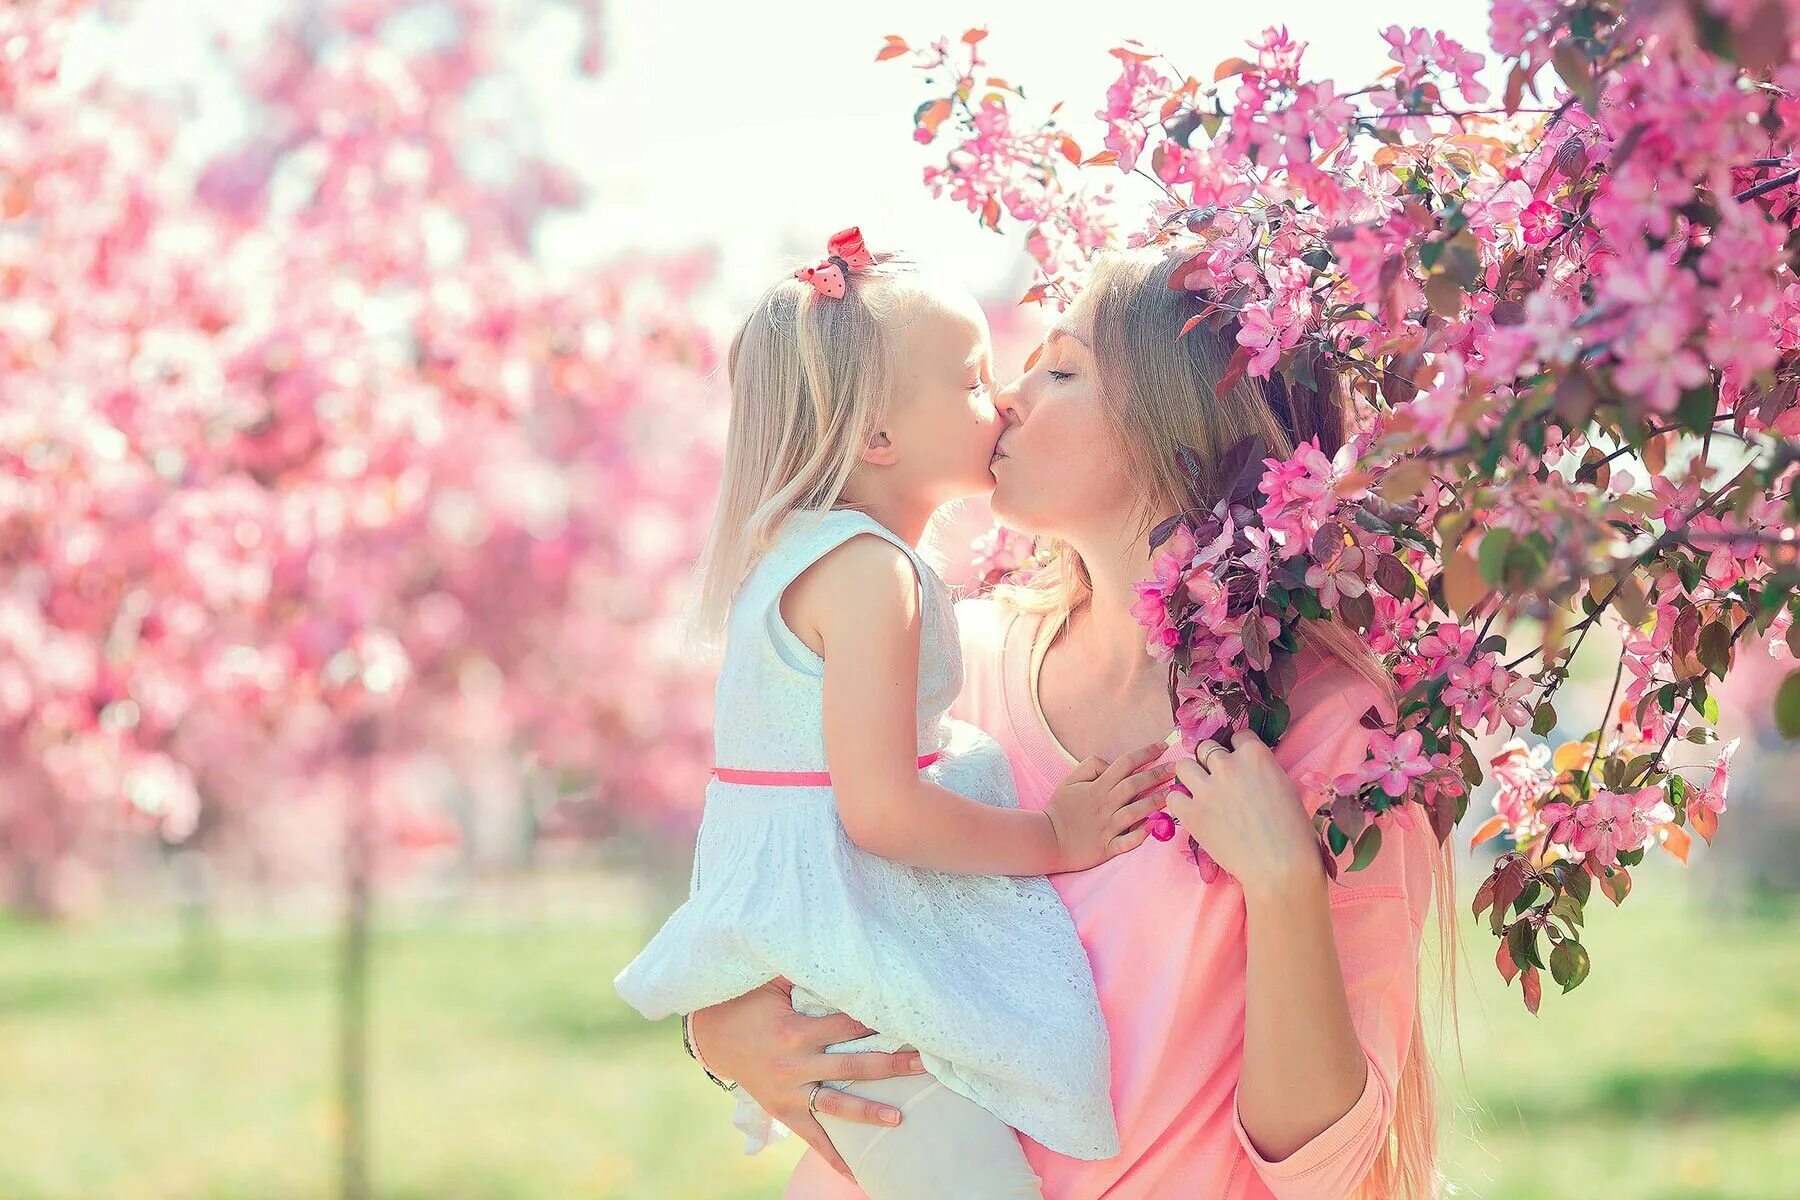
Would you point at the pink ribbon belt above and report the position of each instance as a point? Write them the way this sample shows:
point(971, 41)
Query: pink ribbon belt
point(796, 778)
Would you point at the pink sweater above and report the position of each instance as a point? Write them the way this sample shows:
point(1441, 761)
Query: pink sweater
point(1168, 959)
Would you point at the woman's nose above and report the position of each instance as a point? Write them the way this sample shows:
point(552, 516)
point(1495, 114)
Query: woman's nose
point(1008, 402)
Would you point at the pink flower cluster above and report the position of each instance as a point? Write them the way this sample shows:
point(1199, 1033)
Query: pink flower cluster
point(287, 488)
point(1547, 311)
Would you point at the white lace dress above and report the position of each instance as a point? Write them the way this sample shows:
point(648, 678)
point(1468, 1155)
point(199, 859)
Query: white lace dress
point(982, 973)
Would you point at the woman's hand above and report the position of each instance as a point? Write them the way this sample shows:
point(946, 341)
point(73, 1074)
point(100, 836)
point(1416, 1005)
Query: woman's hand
point(1244, 811)
point(775, 1054)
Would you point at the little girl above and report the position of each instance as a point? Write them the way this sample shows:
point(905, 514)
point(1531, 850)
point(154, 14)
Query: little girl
point(903, 886)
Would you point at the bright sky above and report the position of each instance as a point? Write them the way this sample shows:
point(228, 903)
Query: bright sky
point(760, 129)
point(763, 128)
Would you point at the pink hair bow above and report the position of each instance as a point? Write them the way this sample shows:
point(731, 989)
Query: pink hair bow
point(844, 252)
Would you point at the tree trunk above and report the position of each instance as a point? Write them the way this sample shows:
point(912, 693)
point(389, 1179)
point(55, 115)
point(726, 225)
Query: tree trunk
point(353, 973)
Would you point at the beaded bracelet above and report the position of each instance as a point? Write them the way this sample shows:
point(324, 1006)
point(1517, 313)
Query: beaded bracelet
point(687, 1043)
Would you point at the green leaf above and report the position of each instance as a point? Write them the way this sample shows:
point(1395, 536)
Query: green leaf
point(1492, 555)
point(1568, 908)
point(1577, 882)
point(1334, 837)
point(1569, 964)
point(1787, 705)
point(1518, 939)
point(1367, 846)
point(1715, 648)
point(1271, 722)
point(1544, 719)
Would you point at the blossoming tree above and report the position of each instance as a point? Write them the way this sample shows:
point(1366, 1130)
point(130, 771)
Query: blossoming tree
point(309, 468)
point(1567, 319)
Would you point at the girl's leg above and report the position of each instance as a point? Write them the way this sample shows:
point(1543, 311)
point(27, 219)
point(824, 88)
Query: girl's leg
point(946, 1146)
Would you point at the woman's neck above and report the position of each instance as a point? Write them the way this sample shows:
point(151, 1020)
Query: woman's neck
point(1112, 640)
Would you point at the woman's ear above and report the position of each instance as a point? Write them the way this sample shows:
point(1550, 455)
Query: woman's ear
point(879, 450)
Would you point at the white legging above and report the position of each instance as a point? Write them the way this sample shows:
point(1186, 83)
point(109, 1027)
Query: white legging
point(946, 1147)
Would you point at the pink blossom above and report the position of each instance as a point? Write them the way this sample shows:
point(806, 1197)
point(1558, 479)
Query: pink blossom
point(1711, 798)
point(1395, 761)
point(1523, 775)
point(1613, 822)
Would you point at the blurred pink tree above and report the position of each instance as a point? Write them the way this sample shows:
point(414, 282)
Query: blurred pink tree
point(309, 466)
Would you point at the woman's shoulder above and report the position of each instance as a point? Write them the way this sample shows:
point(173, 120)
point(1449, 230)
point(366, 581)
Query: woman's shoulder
point(984, 628)
point(989, 627)
point(981, 621)
point(1330, 686)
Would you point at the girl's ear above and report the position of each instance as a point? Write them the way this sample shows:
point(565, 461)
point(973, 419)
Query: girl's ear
point(879, 450)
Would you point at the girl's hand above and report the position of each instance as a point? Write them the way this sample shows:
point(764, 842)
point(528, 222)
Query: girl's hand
point(775, 1054)
point(1244, 811)
point(1099, 810)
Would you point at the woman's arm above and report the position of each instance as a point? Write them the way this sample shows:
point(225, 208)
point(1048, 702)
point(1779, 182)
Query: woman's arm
point(775, 1054)
point(861, 604)
point(1331, 968)
point(1304, 1067)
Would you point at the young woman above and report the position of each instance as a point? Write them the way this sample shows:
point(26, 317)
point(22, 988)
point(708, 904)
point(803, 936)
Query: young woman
point(1265, 1028)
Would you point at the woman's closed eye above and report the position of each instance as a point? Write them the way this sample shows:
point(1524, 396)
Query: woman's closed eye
point(1059, 376)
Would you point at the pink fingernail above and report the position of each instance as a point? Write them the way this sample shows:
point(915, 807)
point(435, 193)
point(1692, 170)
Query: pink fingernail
point(890, 1116)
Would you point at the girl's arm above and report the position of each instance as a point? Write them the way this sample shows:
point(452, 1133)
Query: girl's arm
point(861, 603)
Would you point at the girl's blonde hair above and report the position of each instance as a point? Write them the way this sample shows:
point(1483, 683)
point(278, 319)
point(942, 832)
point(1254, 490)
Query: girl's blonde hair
point(1161, 393)
point(810, 376)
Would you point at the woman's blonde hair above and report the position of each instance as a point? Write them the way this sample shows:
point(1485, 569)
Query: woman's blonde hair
point(1160, 389)
point(810, 377)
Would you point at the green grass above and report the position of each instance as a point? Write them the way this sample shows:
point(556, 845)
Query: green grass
point(504, 1067)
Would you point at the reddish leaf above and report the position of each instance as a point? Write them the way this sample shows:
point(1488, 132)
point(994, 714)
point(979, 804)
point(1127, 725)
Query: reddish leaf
point(1404, 480)
point(895, 47)
point(1232, 66)
point(1676, 841)
point(1234, 372)
point(1534, 989)
point(1491, 827)
point(1503, 960)
point(932, 114)
point(1617, 886)
point(990, 212)
point(1105, 158)
point(1070, 149)
point(1704, 821)
point(1515, 87)
point(1190, 323)
point(1484, 895)
point(1463, 586)
point(1393, 577)
point(973, 36)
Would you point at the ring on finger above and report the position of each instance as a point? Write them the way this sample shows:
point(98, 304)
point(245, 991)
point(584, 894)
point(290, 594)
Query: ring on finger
point(812, 1097)
point(1203, 754)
